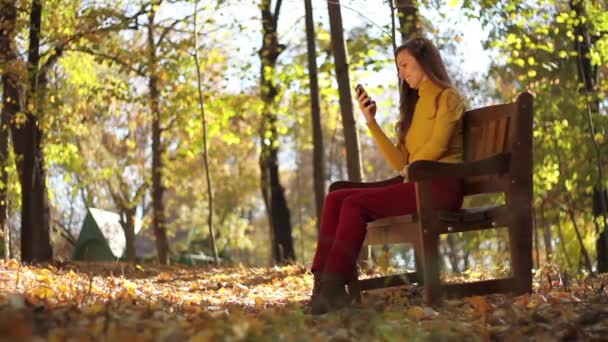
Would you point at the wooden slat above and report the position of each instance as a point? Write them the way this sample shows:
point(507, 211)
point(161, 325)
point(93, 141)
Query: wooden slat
point(490, 139)
point(391, 234)
point(486, 185)
point(479, 151)
point(429, 170)
point(484, 224)
point(388, 281)
point(471, 214)
point(362, 185)
point(392, 220)
point(483, 287)
point(501, 135)
point(478, 116)
point(470, 137)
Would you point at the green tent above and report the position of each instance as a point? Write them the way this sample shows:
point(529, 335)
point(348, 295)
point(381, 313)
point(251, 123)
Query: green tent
point(101, 238)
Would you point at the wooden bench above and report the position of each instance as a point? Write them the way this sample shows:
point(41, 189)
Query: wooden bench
point(497, 159)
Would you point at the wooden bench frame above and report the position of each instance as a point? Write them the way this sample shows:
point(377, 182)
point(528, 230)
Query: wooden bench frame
point(497, 159)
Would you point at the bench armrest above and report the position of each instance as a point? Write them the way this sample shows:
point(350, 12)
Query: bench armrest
point(426, 170)
point(354, 185)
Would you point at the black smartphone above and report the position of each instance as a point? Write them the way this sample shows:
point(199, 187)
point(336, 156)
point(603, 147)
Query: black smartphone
point(358, 89)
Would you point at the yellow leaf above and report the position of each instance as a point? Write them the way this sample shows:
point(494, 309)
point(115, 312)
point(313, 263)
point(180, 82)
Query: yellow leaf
point(93, 309)
point(453, 3)
point(481, 305)
point(416, 313)
point(43, 292)
point(259, 303)
point(12, 264)
point(164, 277)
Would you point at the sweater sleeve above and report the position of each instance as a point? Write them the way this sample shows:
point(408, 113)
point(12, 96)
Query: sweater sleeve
point(449, 113)
point(395, 155)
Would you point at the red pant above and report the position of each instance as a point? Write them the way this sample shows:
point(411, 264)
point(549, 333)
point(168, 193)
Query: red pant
point(346, 212)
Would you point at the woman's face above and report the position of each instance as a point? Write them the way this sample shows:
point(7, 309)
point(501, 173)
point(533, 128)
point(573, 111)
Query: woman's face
point(409, 69)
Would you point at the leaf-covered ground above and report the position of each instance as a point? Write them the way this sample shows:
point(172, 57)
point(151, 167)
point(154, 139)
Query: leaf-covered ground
point(122, 302)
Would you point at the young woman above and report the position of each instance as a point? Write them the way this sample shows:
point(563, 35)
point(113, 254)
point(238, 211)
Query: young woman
point(429, 128)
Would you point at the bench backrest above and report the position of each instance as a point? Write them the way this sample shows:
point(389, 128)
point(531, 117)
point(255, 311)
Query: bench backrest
point(498, 129)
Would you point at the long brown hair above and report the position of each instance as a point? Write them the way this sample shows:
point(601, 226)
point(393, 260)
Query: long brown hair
point(429, 59)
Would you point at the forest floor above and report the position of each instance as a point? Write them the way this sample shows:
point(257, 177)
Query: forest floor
point(124, 302)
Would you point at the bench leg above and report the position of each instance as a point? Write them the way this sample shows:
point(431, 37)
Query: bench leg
point(520, 238)
point(430, 269)
point(354, 291)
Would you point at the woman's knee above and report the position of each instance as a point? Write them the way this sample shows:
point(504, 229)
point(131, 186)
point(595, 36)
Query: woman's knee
point(335, 198)
point(353, 203)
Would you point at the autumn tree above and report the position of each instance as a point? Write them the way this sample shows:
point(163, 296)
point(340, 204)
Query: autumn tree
point(407, 12)
point(315, 110)
point(201, 102)
point(272, 191)
point(10, 104)
point(351, 136)
point(541, 47)
point(27, 143)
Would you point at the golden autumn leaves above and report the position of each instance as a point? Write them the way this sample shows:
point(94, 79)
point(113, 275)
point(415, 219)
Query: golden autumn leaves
point(116, 301)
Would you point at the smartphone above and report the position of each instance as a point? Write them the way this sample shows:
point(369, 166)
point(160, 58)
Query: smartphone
point(359, 89)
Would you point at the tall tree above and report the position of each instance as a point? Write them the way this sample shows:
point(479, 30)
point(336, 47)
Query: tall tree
point(587, 74)
point(407, 12)
point(272, 190)
point(351, 136)
point(315, 110)
point(27, 143)
point(158, 189)
point(10, 104)
point(201, 104)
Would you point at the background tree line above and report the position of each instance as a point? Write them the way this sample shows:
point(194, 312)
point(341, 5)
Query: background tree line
point(157, 110)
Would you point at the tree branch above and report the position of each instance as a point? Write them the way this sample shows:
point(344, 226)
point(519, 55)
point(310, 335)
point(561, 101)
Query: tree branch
point(275, 15)
point(139, 71)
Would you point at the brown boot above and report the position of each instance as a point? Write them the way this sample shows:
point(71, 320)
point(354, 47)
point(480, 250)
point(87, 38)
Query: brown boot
point(332, 295)
point(316, 288)
point(354, 287)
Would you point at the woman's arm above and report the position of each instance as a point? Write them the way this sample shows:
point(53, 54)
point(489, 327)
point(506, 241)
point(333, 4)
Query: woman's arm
point(449, 115)
point(395, 155)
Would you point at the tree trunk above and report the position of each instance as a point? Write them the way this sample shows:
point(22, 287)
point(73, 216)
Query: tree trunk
point(35, 212)
point(407, 13)
point(584, 253)
point(317, 131)
point(453, 253)
point(546, 234)
point(351, 136)
point(272, 190)
point(588, 77)
point(158, 215)
point(10, 106)
point(201, 103)
point(562, 242)
point(128, 225)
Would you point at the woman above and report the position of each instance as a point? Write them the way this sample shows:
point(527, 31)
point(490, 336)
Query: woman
point(429, 128)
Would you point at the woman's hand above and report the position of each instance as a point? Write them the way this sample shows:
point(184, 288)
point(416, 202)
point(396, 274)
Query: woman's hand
point(366, 104)
point(403, 173)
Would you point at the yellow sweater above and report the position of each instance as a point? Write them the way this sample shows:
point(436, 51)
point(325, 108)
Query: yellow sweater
point(435, 132)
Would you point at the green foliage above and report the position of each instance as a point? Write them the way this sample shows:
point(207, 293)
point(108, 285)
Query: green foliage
point(536, 44)
point(97, 122)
